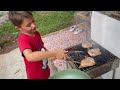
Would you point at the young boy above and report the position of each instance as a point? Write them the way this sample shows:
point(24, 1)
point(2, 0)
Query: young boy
point(30, 45)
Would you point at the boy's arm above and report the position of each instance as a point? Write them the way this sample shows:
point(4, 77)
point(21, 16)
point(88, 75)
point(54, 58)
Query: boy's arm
point(51, 58)
point(37, 55)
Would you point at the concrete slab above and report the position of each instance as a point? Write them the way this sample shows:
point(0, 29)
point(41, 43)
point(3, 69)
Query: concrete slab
point(10, 58)
point(12, 65)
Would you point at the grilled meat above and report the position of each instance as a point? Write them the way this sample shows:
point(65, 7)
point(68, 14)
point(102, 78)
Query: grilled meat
point(86, 44)
point(94, 52)
point(87, 62)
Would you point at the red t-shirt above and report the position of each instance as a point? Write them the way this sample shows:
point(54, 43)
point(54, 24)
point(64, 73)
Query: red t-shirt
point(33, 69)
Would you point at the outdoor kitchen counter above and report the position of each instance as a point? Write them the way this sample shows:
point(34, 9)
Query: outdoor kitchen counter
point(63, 39)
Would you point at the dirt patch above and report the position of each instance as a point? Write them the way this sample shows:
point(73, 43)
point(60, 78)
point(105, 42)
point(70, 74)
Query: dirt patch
point(8, 42)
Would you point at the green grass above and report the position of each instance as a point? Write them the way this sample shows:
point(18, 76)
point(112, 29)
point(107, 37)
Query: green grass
point(46, 22)
point(7, 27)
point(52, 21)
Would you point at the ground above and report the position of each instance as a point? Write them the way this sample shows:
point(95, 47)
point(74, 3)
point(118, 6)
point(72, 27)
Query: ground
point(7, 43)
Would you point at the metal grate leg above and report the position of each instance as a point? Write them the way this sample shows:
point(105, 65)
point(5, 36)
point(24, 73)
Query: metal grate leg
point(113, 76)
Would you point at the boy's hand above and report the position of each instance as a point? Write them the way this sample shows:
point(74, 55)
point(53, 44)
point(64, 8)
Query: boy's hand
point(52, 58)
point(61, 54)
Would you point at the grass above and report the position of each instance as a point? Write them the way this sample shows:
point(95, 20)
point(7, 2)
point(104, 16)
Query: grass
point(7, 28)
point(46, 22)
point(52, 21)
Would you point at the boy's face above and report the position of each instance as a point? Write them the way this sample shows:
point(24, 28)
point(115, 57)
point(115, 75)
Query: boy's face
point(28, 26)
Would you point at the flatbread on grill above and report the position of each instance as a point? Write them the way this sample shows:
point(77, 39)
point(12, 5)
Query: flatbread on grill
point(86, 44)
point(94, 52)
point(87, 62)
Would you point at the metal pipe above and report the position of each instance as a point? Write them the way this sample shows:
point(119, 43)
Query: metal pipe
point(113, 76)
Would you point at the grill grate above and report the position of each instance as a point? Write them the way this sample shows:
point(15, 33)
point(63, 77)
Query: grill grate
point(105, 56)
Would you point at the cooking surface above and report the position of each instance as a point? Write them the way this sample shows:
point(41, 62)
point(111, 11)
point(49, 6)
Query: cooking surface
point(100, 59)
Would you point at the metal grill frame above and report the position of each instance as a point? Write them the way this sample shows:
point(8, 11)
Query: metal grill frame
point(97, 71)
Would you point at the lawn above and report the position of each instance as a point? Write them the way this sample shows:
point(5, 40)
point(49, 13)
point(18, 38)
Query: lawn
point(46, 22)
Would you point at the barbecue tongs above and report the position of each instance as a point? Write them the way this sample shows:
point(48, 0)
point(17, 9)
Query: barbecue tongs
point(75, 52)
point(70, 52)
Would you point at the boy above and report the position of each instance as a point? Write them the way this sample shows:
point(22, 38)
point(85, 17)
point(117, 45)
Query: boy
point(30, 45)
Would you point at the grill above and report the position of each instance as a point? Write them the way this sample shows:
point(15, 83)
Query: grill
point(104, 62)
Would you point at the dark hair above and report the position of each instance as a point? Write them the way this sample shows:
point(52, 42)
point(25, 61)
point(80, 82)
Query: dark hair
point(17, 17)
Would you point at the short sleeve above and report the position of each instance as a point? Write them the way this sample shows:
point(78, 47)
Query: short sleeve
point(40, 37)
point(23, 43)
